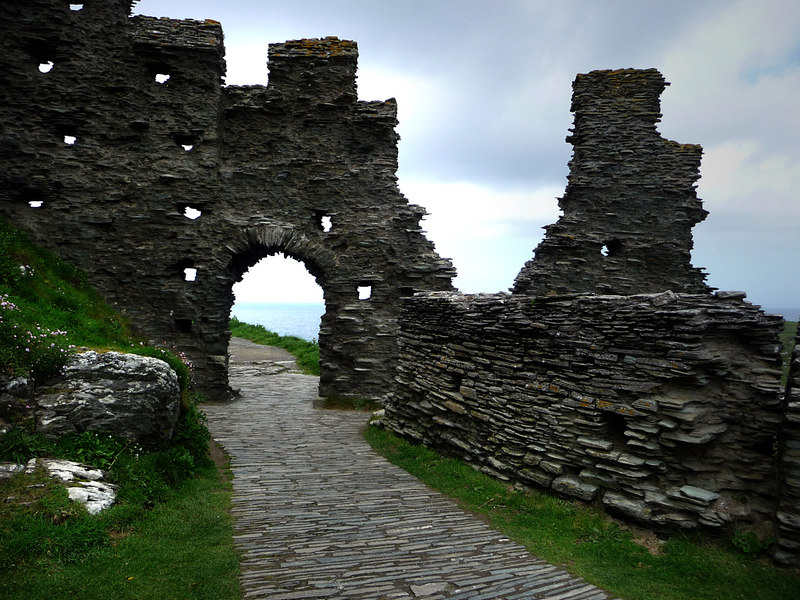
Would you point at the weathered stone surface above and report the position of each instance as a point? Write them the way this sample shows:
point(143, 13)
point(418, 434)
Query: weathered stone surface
point(191, 174)
point(124, 395)
point(84, 484)
point(788, 521)
point(660, 438)
point(630, 204)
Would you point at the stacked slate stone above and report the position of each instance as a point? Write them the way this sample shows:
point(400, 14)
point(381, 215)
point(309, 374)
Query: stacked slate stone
point(123, 151)
point(788, 516)
point(663, 407)
point(630, 203)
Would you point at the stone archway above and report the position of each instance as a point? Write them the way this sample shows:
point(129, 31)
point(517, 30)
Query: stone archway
point(257, 243)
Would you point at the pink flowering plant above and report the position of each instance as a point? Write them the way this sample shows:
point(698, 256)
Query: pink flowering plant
point(46, 309)
point(30, 348)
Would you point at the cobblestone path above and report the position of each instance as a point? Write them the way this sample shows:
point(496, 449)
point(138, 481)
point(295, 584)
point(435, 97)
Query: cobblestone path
point(320, 515)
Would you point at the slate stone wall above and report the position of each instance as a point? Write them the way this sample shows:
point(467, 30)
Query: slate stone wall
point(788, 517)
point(663, 407)
point(612, 374)
point(102, 158)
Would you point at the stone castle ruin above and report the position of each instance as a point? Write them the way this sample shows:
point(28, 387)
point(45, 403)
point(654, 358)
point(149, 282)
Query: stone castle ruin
point(611, 373)
point(130, 130)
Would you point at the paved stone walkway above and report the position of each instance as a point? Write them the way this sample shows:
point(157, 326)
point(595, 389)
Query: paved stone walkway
point(320, 515)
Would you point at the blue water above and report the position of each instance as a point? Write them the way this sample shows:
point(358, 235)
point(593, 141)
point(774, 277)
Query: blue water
point(301, 320)
point(790, 314)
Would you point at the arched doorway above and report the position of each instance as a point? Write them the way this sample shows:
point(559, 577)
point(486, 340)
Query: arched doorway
point(280, 294)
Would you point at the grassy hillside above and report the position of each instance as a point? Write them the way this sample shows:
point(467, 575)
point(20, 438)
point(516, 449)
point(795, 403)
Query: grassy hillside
point(47, 308)
point(169, 535)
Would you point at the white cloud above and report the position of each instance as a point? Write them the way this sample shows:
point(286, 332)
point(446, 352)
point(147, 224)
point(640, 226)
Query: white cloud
point(278, 279)
point(488, 232)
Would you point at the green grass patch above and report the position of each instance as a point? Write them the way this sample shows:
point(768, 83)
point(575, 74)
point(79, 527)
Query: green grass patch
point(169, 534)
point(590, 544)
point(306, 353)
point(47, 308)
point(182, 548)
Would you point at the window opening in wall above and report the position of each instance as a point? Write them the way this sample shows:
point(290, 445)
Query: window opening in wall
point(611, 248)
point(191, 213)
point(183, 325)
point(76, 6)
point(162, 77)
point(190, 273)
point(36, 203)
point(185, 141)
point(70, 140)
point(322, 220)
point(46, 67)
point(364, 292)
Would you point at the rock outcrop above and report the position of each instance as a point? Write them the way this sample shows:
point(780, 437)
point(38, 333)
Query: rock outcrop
point(124, 395)
point(84, 484)
point(788, 516)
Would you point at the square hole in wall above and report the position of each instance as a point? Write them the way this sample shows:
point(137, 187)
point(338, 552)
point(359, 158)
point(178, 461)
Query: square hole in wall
point(322, 220)
point(46, 66)
point(192, 213)
point(184, 325)
point(70, 140)
point(185, 140)
point(611, 248)
point(35, 203)
point(190, 274)
point(162, 77)
point(76, 6)
point(364, 292)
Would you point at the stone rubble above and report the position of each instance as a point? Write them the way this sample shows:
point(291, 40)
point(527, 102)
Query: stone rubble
point(84, 484)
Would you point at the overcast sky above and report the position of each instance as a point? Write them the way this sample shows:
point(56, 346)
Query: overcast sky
point(483, 91)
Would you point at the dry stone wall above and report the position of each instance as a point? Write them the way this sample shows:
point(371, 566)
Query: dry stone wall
point(788, 516)
point(123, 151)
point(663, 407)
point(612, 374)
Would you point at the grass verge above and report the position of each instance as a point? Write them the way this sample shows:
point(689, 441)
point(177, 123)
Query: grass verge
point(169, 535)
point(306, 353)
point(182, 548)
point(590, 544)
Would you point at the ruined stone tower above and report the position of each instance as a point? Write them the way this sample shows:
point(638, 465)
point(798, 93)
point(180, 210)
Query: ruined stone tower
point(630, 204)
point(112, 126)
